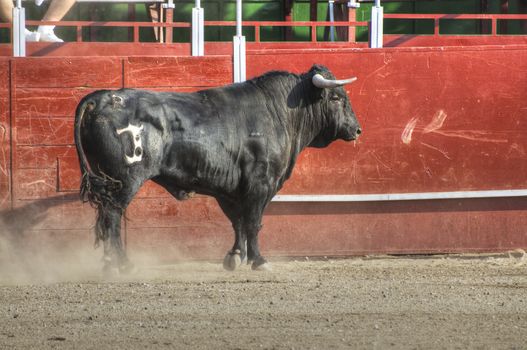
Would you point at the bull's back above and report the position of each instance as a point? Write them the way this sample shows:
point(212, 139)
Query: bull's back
point(210, 141)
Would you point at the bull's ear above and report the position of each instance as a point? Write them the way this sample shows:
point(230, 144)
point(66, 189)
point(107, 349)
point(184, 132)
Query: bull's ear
point(323, 83)
point(318, 68)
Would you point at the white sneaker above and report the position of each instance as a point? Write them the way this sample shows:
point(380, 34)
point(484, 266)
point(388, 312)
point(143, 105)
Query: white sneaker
point(39, 2)
point(49, 36)
point(31, 36)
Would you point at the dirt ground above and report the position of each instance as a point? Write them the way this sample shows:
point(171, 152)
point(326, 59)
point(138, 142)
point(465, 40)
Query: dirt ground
point(442, 302)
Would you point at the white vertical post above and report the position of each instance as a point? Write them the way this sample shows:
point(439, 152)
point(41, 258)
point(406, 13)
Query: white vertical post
point(18, 30)
point(376, 30)
point(239, 58)
point(331, 19)
point(238, 17)
point(239, 47)
point(198, 31)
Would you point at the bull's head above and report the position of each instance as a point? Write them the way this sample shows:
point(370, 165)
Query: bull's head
point(335, 106)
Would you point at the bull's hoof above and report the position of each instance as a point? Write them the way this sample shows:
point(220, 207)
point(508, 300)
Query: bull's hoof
point(109, 271)
point(127, 268)
point(260, 264)
point(183, 195)
point(232, 260)
point(109, 268)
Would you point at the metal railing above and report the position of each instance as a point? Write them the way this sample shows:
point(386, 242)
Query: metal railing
point(198, 24)
point(256, 25)
point(120, 1)
point(19, 21)
point(494, 18)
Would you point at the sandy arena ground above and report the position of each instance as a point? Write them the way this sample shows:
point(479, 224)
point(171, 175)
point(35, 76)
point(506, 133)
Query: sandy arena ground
point(360, 303)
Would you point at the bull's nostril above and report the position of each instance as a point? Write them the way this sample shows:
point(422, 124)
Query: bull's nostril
point(359, 131)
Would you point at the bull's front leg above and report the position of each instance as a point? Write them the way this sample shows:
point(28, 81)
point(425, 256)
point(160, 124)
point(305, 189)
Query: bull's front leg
point(238, 253)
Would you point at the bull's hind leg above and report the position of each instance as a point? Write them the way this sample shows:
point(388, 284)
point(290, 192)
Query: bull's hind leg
point(238, 253)
point(108, 228)
point(252, 224)
point(109, 224)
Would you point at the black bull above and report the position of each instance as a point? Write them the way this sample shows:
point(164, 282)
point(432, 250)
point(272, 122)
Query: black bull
point(238, 144)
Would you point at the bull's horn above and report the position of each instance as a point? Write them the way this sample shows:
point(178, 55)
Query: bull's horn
point(321, 82)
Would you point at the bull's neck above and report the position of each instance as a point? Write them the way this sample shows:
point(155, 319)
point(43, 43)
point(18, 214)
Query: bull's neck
point(309, 120)
point(303, 118)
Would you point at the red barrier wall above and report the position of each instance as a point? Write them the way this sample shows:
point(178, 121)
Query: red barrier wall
point(445, 119)
point(434, 119)
point(5, 137)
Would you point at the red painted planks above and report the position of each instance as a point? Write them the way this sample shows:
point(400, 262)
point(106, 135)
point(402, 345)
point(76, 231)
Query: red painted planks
point(152, 190)
point(54, 212)
point(35, 183)
point(38, 157)
point(5, 138)
point(56, 102)
point(68, 72)
point(178, 243)
point(146, 72)
point(433, 120)
point(172, 230)
point(446, 226)
point(68, 173)
point(340, 229)
point(201, 212)
point(127, 49)
point(451, 40)
point(44, 131)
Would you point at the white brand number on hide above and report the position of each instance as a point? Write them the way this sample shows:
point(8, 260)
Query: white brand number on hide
point(136, 137)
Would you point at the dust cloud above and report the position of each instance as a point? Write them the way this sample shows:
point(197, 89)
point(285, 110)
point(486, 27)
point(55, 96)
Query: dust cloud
point(24, 260)
point(32, 255)
point(29, 260)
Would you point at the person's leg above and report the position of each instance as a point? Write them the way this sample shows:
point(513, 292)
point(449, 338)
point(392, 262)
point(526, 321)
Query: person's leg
point(6, 10)
point(6, 15)
point(56, 11)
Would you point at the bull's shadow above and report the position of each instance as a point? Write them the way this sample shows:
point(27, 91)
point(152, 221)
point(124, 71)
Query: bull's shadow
point(31, 253)
point(15, 224)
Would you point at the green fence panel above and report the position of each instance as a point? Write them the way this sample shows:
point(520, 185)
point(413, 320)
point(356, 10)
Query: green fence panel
point(273, 10)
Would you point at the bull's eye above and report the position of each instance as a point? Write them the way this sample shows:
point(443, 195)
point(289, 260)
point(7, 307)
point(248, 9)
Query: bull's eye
point(335, 98)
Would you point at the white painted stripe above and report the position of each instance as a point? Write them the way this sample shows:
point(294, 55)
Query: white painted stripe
point(397, 196)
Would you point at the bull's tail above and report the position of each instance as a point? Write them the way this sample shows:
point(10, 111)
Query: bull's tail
point(97, 189)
